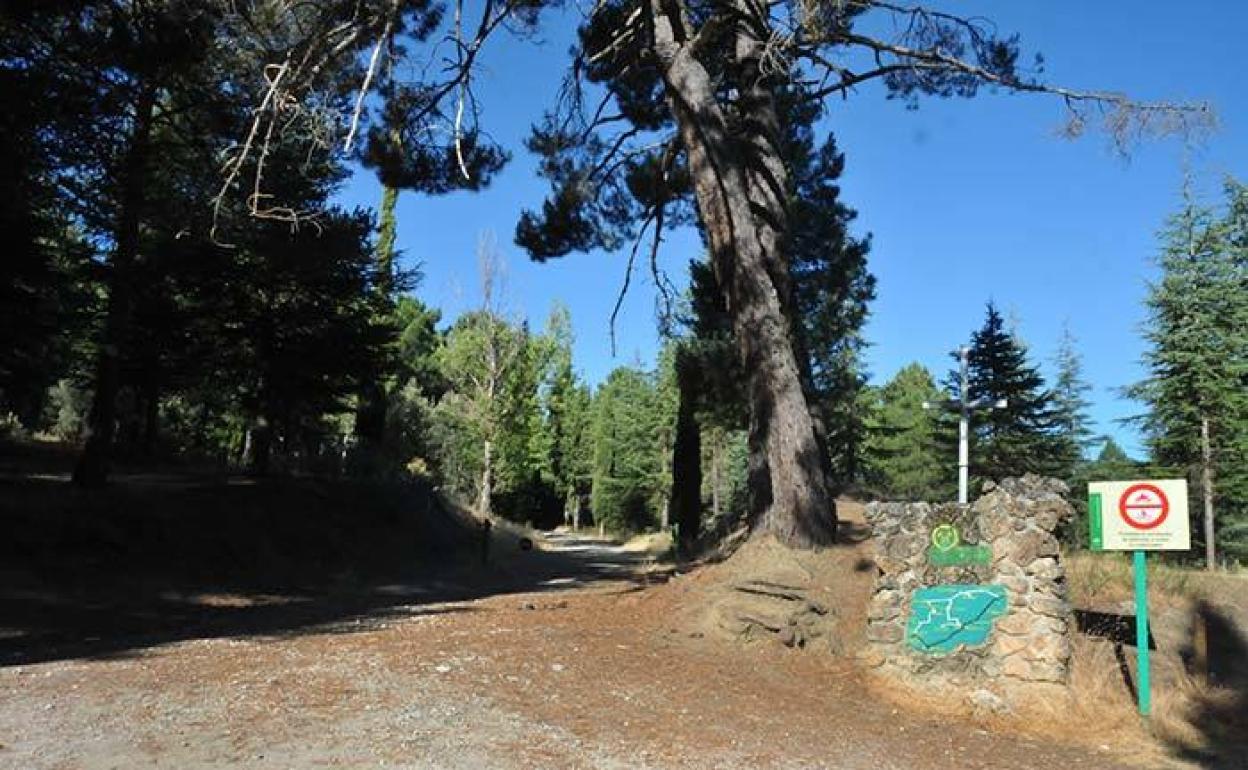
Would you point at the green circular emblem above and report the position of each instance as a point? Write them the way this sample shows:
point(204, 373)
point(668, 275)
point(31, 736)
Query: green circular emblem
point(945, 537)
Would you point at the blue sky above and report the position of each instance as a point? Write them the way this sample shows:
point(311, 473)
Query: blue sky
point(966, 200)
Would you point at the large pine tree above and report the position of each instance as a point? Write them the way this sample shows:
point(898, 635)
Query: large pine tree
point(831, 286)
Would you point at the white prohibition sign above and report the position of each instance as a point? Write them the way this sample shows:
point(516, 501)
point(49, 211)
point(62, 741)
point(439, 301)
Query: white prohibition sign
point(1143, 506)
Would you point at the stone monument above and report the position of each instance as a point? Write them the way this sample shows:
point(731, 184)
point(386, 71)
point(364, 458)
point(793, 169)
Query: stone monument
point(973, 598)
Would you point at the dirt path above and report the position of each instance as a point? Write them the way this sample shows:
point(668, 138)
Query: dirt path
point(582, 672)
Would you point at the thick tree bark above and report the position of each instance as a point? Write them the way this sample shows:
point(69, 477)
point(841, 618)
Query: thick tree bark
point(800, 510)
point(769, 185)
point(93, 464)
point(1206, 488)
point(686, 498)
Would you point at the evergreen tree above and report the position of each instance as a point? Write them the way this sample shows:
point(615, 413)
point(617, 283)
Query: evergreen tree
point(831, 289)
point(559, 387)
point(1070, 404)
point(1020, 438)
point(627, 463)
point(1197, 360)
point(417, 386)
point(691, 116)
point(903, 450)
point(481, 361)
point(1110, 464)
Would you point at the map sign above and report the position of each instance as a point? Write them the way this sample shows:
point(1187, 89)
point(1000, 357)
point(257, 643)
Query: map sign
point(946, 618)
point(1148, 515)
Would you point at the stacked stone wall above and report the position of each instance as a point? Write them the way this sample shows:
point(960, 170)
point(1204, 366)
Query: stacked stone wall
point(984, 609)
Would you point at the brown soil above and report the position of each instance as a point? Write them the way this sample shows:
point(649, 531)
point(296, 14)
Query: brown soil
point(593, 663)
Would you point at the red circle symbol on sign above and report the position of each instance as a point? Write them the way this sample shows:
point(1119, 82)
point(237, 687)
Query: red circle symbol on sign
point(1143, 506)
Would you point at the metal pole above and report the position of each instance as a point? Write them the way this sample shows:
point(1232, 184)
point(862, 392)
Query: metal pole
point(1143, 685)
point(964, 429)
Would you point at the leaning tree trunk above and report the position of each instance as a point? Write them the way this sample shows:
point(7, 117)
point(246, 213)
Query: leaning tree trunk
point(769, 186)
point(93, 465)
point(801, 511)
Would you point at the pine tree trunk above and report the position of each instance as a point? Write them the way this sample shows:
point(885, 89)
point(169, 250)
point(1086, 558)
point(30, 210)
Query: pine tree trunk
point(715, 476)
point(261, 434)
point(370, 415)
point(93, 465)
point(686, 498)
point(1206, 487)
point(800, 510)
point(487, 478)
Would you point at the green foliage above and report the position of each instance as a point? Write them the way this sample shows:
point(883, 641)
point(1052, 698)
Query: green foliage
point(516, 390)
point(170, 227)
point(628, 460)
point(1197, 358)
point(725, 490)
point(565, 447)
point(416, 383)
point(905, 455)
point(1022, 437)
point(66, 412)
point(832, 288)
point(1070, 406)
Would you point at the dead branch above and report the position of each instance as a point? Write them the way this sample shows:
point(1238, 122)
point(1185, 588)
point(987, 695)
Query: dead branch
point(382, 40)
point(628, 277)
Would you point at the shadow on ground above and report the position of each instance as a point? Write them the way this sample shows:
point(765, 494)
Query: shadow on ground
point(1216, 657)
point(1218, 654)
point(157, 559)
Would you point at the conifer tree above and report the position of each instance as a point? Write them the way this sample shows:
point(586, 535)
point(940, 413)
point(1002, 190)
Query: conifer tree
point(1070, 404)
point(627, 461)
point(1022, 437)
point(903, 450)
point(1197, 361)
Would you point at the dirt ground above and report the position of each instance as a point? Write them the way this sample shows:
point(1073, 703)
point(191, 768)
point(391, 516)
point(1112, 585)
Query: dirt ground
point(584, 667)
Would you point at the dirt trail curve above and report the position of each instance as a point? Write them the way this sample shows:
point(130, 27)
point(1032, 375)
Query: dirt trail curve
point(579, 670)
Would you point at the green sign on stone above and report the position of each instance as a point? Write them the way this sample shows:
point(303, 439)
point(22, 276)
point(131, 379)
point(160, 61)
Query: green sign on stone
point(946, 551)
point(960, 555)
point(946, 618)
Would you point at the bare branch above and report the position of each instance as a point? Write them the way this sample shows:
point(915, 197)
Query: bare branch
point(382, 40)
point(628, 277)
point(235, 166)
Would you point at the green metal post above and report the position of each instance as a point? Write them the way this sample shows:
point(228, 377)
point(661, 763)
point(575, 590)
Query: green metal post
point(1141, 634)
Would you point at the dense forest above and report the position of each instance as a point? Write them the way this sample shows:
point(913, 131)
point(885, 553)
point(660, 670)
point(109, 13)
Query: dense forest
point(180, 285)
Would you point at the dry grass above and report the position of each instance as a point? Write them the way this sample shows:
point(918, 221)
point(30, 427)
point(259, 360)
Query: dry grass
point(1103, 579)
point(1191, 717)
point(655, 544)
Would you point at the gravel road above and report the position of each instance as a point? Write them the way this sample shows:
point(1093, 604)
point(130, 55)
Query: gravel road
point(577, 671)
